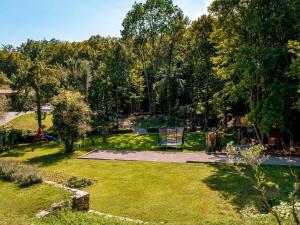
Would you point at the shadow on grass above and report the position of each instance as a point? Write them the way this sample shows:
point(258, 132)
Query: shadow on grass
point(16, 152)
point(194, 141)
point(22, 149)
point(240, 192)
point(46, 160)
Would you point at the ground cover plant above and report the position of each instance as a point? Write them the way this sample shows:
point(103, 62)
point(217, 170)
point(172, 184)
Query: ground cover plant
point(75, 182)
point(16, 171)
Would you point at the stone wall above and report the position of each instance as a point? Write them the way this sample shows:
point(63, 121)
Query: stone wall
point(80, 199)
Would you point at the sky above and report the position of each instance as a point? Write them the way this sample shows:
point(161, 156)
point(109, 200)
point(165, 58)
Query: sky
point(72, 20)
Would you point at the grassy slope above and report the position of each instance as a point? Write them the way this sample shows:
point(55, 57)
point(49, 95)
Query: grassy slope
point(155, 192)
point(29, 122)
point(18, 205)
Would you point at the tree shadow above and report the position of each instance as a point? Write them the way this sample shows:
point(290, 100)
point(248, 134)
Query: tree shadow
point(132, 142)
point(22, 149)
point(16, 152)
point(50, 159)
point(240, 191)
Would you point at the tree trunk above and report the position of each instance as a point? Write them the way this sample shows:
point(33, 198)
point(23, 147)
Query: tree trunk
point(258, 134)
point(147, 80)
point(69, 143)
point(206, 106)
point(38, 109)
point(225, 115)
point(105, 132)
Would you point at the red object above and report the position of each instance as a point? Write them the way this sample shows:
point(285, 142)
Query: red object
point(40, 137)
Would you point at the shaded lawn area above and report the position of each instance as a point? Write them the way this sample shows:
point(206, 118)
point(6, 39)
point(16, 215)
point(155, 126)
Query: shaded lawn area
point(29, 122)
point(19, 205)
point(194, 141)
point(162, 192)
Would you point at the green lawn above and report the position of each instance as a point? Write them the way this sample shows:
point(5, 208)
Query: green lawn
point(194, 141)
point(19, 205)
point(160, 192)
point(29, 122)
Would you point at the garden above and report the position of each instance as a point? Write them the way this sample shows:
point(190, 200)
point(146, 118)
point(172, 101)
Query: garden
point(152, 192)
point(176, 121)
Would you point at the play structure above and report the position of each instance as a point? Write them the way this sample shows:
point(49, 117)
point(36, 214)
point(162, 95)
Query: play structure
point(43, 137)
point(170, 137)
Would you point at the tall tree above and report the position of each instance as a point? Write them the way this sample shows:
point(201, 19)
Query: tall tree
point(199, 57)
point(252, 52)
point(38, 81)
point(155, 28)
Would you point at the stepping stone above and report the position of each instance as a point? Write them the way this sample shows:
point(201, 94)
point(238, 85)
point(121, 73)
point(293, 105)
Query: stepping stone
point(42, 214)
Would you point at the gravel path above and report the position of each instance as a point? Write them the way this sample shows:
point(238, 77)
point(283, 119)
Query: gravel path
point(176, 157)
point(8, 116)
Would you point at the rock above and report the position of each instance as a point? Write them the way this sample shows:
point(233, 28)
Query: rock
point(81, 201)
point(57, 206)
point(42, 214)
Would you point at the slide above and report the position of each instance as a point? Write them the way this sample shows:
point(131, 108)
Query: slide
point(51, 138)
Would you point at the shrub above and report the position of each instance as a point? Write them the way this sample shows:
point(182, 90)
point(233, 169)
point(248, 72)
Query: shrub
point(7, 169)
point(24, 175)
point(75, 182)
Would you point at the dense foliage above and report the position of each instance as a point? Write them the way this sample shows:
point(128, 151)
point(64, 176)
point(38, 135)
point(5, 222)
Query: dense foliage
point(71, 117)
point(242, 58)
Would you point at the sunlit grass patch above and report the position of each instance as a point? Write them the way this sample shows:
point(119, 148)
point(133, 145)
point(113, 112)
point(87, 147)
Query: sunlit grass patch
point(29, 122)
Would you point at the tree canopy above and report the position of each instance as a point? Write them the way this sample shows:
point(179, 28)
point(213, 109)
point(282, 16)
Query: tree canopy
point(243, 58)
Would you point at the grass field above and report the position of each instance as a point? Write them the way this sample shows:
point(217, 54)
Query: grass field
point(156, 192)
point(19, 205)
point(160, 192)
point(29, 122)
point(194, 141)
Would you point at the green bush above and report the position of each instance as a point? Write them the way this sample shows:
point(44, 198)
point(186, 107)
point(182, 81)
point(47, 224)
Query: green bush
point(24, 175)
point(75, 182)
point(7, 169)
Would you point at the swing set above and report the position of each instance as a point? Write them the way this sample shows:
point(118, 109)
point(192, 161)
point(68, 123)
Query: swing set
point(41, 137)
